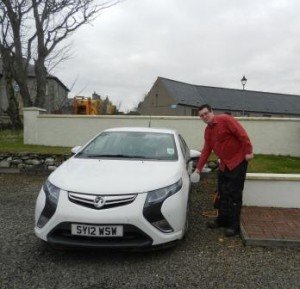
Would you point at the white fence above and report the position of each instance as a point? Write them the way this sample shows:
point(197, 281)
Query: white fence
point(278, 136)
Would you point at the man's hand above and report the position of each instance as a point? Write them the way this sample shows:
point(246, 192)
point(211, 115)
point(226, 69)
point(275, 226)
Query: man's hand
point(249, 157)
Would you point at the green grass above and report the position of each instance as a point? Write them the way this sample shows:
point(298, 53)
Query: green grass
point(274, 164)
point(12, 141)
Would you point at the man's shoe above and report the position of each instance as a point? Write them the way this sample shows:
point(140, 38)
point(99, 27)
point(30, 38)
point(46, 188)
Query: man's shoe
point(213, 224)
point(231, 232)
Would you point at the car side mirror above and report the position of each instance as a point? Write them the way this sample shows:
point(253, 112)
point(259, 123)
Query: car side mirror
point(75, 150)
point(194, 154)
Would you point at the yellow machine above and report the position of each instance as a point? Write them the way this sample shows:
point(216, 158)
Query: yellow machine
point(86, 105)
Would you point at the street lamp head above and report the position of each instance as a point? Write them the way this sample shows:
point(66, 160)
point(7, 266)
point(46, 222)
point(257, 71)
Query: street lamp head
point(244, 80)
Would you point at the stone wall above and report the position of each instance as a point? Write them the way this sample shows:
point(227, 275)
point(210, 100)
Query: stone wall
point(30, 162)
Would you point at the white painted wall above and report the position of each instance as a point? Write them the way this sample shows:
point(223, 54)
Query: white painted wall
point(272, 190)
point(278, 136)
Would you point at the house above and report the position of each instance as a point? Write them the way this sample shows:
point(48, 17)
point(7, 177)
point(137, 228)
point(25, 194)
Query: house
point(171, 97)
point(56, 92)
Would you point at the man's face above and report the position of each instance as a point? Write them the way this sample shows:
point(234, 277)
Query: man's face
point(206, 115)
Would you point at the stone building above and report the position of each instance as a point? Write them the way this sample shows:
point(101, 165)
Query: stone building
point(56, 92)
point(171, 97)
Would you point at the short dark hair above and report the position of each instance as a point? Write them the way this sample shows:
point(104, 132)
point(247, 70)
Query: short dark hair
point(205, 106)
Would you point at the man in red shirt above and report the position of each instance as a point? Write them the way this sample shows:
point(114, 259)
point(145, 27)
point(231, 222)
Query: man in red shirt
point(228, 139)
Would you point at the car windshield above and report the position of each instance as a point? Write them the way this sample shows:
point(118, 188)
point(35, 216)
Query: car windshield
point(131, 144)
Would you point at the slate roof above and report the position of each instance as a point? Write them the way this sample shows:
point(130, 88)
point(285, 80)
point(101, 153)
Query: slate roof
point(232, 99)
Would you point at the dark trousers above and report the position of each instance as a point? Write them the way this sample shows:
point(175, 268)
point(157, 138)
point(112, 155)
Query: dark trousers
point(230, 187)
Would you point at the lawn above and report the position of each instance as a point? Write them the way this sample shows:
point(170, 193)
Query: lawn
point(274, 164)
point(12, 141)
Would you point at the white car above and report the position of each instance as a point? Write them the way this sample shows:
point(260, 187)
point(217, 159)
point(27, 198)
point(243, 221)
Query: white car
point(126, 188)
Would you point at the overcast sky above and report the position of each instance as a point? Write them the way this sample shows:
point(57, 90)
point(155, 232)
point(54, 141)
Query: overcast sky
point(201, 42)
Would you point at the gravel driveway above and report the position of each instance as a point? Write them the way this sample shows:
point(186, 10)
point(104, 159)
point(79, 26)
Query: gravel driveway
point(203, 260)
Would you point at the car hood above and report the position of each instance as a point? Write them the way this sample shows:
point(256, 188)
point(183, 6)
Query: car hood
point(106, 176)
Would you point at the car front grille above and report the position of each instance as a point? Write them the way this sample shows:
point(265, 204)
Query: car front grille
point(100, 201)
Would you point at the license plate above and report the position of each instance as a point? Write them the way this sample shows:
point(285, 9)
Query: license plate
point(96, 231)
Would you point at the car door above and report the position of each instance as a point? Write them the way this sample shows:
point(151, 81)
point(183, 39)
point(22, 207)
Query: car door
point(186, 153)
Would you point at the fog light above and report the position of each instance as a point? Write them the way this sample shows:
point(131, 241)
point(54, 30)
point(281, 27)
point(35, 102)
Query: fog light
point(163, 226)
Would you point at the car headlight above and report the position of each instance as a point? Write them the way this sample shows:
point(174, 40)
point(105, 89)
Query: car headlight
point(52, 196)
point(153, 204)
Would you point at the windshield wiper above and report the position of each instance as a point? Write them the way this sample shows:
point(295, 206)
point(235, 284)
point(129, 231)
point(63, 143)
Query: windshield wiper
point(141, 157)
point(108, 156)
point(117, 156)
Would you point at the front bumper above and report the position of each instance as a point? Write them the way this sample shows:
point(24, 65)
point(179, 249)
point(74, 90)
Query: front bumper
point(138, 232)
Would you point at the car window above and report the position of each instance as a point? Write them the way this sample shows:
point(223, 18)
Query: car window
point(145, 145)
point(184, 148)
point(105, 144)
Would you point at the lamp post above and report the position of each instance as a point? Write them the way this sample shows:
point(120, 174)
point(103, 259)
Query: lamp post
point(243, 81)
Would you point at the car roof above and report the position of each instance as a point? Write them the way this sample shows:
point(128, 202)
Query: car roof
point(143, 129)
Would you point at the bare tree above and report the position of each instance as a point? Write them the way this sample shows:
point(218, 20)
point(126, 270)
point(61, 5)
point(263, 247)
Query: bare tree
point(31, 31)
point(12, 109)
point(12, 16)
point(54, 22)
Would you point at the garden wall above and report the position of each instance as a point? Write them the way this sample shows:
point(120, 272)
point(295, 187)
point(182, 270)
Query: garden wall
point(278, 136)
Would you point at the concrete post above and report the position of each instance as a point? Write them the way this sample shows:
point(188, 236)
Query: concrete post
point(30, 115)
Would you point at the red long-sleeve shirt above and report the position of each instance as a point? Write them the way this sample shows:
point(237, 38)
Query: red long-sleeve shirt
point(228, 139)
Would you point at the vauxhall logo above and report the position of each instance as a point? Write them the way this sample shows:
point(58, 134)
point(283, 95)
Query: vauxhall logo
point(99, 202)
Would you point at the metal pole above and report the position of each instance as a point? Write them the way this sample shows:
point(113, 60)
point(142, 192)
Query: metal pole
point(243, 81)
point(243, 113)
